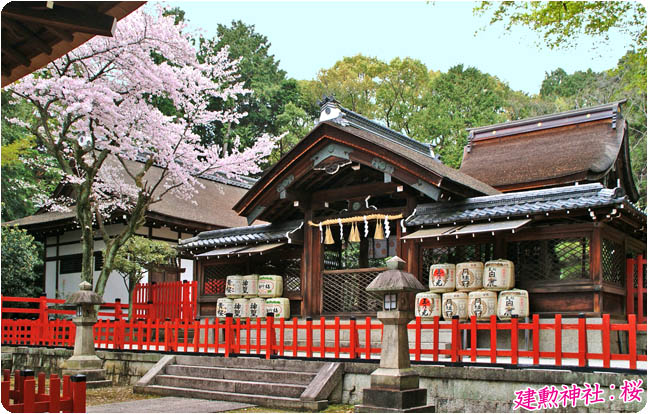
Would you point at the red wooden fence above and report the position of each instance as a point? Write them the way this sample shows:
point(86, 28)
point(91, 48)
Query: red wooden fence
point(173, 300)
point(636, 266)
point(25, 398)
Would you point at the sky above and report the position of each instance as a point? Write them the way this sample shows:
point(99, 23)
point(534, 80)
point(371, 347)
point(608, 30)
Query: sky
point(309, 36)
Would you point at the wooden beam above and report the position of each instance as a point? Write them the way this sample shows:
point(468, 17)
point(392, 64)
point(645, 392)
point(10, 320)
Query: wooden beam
point(345, 193)
point(29, 36)
point(63, 18)
point(61, 34)
point(15, 55)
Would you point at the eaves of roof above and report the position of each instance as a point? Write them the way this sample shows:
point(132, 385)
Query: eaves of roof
point(262, 233)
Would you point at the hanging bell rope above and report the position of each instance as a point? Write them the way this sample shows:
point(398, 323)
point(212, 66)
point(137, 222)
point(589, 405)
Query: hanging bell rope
point(357, 219)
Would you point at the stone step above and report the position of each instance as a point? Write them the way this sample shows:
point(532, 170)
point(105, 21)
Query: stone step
point(256, 363)
point(242, 374)
point(261, 400)
point(239, 387)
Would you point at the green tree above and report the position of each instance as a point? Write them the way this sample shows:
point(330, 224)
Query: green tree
point(21, 256)
point(28, 176)
point(259, 72)
point(136, 257)
point(458, 99)
point(561, 22)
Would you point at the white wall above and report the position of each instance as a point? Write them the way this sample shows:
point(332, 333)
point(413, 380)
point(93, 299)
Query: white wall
point(115, 287)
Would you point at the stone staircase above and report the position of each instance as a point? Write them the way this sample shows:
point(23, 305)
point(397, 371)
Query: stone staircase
point(276, 383)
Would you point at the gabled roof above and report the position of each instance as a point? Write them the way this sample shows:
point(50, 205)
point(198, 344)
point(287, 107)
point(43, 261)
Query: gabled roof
point(210, 207)
point(261, 233)
point(353, 138)
point(524, 204)
point(582, 145)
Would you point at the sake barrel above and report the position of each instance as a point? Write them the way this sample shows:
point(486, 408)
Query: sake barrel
point(257, 308)
point(250, 286)
point(513, 302)
point(442, 277)
point(280, 307)
point(241, 308)
point(234, 286)
point(455, 303)
point(499, 275)
point(482, 304)
point(223, 307)
point(469, 276)
point(428, 305)
point(270, 286)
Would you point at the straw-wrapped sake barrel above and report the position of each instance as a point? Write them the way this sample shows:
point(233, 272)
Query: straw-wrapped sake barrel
point(499, 275)
point(234, 286)
point(250, 286)
point(428, 305)
point(280, 307)
point(257, 308)
point(223, 307)
point(482, 304)
point(270, 286)
point(513, 302)
point(442, 277)
point(469, 276)
point(241, 308)
point(455, 303)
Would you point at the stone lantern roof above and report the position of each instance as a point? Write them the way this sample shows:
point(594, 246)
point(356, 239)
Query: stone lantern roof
point(395, 279)
point(84, 296)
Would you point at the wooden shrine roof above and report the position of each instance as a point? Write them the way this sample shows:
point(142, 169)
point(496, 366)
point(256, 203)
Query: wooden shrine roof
point(559, 149)
point(35, 33)
point(573, 200)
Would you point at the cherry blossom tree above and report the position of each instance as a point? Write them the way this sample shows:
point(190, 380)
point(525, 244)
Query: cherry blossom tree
point(134, 97)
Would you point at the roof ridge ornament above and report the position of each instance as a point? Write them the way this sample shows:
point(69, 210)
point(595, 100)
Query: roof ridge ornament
point(330, 110)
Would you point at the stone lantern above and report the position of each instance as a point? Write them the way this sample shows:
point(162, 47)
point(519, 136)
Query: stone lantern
point(395, 384)
point(84, 360)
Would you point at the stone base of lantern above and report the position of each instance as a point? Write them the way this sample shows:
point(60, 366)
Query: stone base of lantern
point(376, 400)
point(90, 366)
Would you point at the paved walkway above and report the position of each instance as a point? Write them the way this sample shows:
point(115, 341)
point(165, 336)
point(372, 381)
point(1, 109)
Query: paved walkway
point(168, 405)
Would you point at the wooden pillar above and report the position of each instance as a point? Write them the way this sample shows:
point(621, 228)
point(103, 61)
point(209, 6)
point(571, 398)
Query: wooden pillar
point(596, 265)
point(312, 265)
point(410, 248)
point(364, 252)
point(305, 263)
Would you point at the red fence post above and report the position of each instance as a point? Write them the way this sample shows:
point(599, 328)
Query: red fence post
point(269, 334)
point(78, 394)
point(632, 341)
point(5, 393)
point(514, 339)
point(352, 338)
point(605, 337)
point(228, 334)
point(417, 339)
point(558, 339)
point(29, 395)
point(368, 337)
point(473, 338)
point(630, 287)
point(41, 383)
point(322, 337)
point(118, 309)
point(455, 342)
point(536, 339)
point(54, 394)
point(435, 338)
point(295, 338)
point(336, 328)
point(309, 337)
point(493, 338)
point(582, 340)
point(641, 311)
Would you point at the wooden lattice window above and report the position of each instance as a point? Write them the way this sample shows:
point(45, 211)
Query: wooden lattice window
point(288, 268)
point(613, 258)
point(214, 277)
point(71, 263)
point(453, 254)
point(344, 291)
point(552, 259)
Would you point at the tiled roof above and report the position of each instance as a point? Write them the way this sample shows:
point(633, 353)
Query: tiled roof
point(520, 204)
point(261, 233)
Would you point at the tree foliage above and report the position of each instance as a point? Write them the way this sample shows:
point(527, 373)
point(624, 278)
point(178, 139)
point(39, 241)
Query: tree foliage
point(561, 22)
point(136, 257)
point(21, 256)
